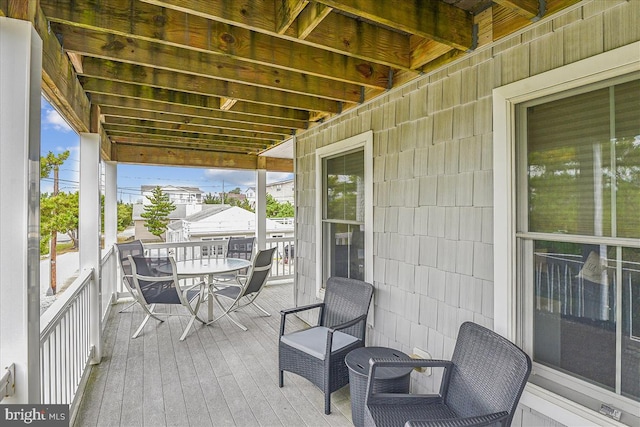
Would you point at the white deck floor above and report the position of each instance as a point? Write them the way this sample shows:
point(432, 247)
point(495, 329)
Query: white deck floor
point(218, 376)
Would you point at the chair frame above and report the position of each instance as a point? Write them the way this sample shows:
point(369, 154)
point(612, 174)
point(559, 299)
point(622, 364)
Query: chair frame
point(127, 279)
point(332, 373)
point(246, 292)
point(231, 277)
point(182, 292)
point(389, 406)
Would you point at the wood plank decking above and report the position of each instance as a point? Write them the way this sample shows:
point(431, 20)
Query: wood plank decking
point(218, 376)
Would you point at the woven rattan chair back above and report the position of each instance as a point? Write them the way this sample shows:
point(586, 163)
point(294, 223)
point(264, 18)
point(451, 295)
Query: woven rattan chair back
point(346, 299)
point(488, 375)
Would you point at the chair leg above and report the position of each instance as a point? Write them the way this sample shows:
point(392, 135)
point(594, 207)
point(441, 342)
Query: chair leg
point(189, 325)
point(227, 312)
point(281, 379)
point(327, 402)
point(149, 315)
point(127, 307)
point(261, 309)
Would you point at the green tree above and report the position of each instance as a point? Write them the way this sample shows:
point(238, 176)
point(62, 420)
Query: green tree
point(210, 199)
point(276, 209)
point(50, 163)
point(157, 213)
point(125, 215)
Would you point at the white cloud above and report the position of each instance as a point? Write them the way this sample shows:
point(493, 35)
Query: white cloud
point(242, 179)
point(55, 121)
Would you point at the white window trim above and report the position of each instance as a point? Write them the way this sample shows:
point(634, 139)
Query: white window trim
point(363, 140)
point(610, 64)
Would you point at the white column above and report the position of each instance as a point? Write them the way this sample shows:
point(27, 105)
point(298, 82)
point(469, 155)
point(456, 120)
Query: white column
point(261, 208)
point(110, 204)
point(20, 77)
point(89, 232)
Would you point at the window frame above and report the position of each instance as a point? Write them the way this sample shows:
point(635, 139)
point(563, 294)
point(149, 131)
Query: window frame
point(361, 141)
point(509, 319)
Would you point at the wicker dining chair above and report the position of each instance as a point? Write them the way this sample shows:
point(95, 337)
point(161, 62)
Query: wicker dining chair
point(318, 353)
point(481, 385)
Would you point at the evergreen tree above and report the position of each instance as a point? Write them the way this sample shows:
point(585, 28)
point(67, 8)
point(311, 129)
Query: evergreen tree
point(157, 213)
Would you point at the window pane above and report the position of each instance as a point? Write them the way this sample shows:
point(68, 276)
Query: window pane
point(584, 163)
point(575, 289)
point(344, 254)
point(345, 187)
point(627, 158)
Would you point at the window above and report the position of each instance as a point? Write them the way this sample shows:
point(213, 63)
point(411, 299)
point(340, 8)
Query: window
point(344, 209)
point(566, 219)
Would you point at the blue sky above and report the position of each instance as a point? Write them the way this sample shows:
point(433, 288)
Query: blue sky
point(57, 137)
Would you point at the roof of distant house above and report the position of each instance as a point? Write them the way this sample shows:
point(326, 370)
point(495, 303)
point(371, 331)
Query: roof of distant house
point(144, 188)
point(180, 212)
point(286, 181)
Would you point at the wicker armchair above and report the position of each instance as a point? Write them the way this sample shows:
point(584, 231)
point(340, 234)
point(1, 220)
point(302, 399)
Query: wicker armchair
point(318, 353)
point(481, 385)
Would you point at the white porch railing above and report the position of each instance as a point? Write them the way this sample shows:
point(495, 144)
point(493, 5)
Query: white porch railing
point(65, 349)
point(283, 267)
point(65, 342)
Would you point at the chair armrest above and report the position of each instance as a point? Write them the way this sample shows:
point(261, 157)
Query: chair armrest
point(482, 420)
point(348, 324)
point(284, 313)
point(288, 311)
point(375, 363)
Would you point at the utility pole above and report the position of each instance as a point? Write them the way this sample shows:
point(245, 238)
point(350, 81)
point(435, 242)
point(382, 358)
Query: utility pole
point(48, 163)
point(54, 240)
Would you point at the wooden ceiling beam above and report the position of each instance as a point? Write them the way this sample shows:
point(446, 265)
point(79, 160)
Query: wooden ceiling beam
point(141, 137)
point(529, 9)
point(157, 55)
point(59, 80)
point(336, 32)
point(143, 140)
point(434, 20)
point(110, 87)
point(310, 18)
point(177, 120)
point(133, 124)
point(286, 13)
point(134, 19)
point(148, 76)
point(146, 104)
point(126, 153)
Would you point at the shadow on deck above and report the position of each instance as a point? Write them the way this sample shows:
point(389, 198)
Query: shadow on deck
point(218, 376)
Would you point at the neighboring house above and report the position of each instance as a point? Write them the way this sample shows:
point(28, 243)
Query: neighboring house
point(178, 195)
point(282, 191)
point(222, 221)
point(180, 212)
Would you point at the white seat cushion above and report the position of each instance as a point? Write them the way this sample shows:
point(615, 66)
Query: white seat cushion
point(313, 341)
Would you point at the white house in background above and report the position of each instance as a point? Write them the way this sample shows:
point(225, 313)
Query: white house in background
point(220, 222)
point(282, 191)
point(180, 212)
point(178, 195)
